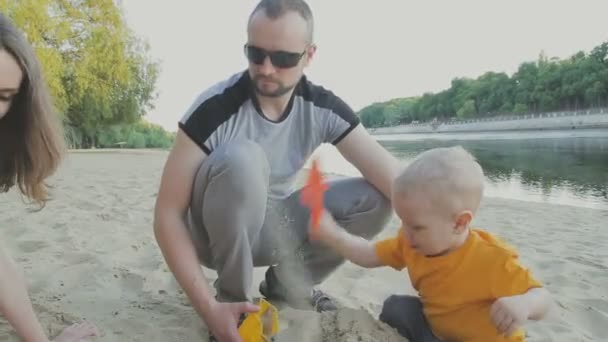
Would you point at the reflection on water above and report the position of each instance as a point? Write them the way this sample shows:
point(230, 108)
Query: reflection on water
point(562, 167)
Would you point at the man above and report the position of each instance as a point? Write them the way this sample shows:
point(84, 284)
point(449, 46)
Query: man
point(227, 194)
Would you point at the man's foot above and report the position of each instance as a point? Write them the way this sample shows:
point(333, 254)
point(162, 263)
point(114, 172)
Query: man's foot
point(77, 333)
point(317, 300)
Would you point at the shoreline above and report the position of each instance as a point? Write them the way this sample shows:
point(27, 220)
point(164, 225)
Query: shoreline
point(474, 135)
point(493, 197)
point(382, 130)
point(588, 119)
point(337, 169)
point(507, 134)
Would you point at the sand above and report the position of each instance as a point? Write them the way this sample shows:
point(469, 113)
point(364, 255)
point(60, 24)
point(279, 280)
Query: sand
point(344, 325)
point(91, 254)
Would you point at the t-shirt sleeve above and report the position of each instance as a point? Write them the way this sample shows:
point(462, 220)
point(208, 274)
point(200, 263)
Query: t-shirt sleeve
point(511, 278)
point(205, 121)
point(202, 121)
point(340, 121)
point(390, 252)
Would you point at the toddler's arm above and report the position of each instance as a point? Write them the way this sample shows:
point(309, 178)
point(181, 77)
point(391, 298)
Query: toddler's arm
point(354, 248)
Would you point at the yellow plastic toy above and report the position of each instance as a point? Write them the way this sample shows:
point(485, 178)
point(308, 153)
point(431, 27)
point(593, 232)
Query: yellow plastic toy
point(260, 326)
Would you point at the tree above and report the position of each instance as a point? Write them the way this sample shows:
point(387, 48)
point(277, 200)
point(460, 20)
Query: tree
point(98, 71)
point(520, 108)
point(467, 110)
point(547, 84)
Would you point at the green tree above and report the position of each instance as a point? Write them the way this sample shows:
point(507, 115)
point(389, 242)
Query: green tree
point(373, 116)
point(547, 84)
point(468, 110)
point(520, 108)
point(98, 71)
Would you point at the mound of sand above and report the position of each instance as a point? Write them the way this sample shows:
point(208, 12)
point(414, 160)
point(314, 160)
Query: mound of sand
point(344, 325)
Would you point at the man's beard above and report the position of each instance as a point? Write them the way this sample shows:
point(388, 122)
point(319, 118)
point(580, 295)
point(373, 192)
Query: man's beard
point(278, 92)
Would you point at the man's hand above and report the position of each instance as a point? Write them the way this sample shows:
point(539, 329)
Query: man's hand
point(223, 318)
point(510, 313)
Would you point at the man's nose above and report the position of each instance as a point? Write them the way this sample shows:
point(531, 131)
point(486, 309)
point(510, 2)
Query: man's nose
point(267, 68)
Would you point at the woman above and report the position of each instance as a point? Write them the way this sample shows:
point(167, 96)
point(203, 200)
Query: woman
point(31, 144)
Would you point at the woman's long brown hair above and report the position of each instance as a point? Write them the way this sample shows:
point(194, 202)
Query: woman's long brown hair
point(31, 137)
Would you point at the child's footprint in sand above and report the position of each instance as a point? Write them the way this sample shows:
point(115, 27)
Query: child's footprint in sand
point(30, 246)
point(594, 320)
point(77, 258)
point(130, 281)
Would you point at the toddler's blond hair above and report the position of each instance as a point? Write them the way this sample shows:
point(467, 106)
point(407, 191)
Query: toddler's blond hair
point(451, 177)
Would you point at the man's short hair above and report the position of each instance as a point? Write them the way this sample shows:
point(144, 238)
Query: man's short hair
point(276, 8)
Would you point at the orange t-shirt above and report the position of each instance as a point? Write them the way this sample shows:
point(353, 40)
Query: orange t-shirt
point(458, 289)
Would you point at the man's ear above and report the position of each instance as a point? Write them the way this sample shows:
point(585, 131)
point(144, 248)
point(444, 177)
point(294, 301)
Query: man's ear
point(463, 219)
point(312, 49)
point(310, 53)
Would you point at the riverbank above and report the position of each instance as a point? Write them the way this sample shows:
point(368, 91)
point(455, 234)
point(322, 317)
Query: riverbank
point(591, 119)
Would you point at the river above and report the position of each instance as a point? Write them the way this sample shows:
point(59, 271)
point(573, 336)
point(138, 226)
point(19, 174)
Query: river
point(557, 167)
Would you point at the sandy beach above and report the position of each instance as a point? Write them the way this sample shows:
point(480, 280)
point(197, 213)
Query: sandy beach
point(91, 254)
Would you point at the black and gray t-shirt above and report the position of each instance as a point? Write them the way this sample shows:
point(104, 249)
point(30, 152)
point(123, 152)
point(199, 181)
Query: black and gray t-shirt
point(229, 110)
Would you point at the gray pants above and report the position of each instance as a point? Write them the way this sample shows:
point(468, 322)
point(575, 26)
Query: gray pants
point(405, 314)
point(237, 227)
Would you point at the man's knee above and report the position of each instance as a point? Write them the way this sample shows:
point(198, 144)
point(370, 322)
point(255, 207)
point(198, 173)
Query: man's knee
point(240, 159)
point(382, 211)
point(229, 196)
point(235, 173)
point(237, 179)
point(360, 206)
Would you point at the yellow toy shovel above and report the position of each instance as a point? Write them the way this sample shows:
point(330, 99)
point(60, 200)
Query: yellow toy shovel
point(260, 326)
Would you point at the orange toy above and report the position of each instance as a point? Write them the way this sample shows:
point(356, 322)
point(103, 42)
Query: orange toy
point(313, 193)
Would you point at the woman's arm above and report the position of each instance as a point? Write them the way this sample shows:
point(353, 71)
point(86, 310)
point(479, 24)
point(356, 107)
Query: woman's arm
point(15, 304)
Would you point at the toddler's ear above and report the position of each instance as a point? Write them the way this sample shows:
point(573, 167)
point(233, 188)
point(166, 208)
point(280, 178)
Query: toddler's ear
point(463, 219)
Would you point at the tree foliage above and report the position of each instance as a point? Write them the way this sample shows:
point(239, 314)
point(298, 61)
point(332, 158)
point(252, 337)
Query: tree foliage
point(99, 72)
point(139, 135)
point(574, 83)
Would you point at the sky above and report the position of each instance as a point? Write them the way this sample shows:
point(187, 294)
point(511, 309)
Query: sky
point(368, 51)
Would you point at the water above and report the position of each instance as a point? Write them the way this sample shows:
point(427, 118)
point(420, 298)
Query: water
point(558, 167)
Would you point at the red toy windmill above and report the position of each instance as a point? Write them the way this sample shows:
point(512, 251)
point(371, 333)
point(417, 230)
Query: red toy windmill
point(313, 194)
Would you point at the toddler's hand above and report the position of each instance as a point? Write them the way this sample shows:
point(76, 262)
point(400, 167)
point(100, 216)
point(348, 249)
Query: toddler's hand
point(327, 225)
point(509, 314)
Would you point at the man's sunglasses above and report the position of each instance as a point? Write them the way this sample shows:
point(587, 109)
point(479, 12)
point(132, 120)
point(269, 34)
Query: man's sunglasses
point(280, 59)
